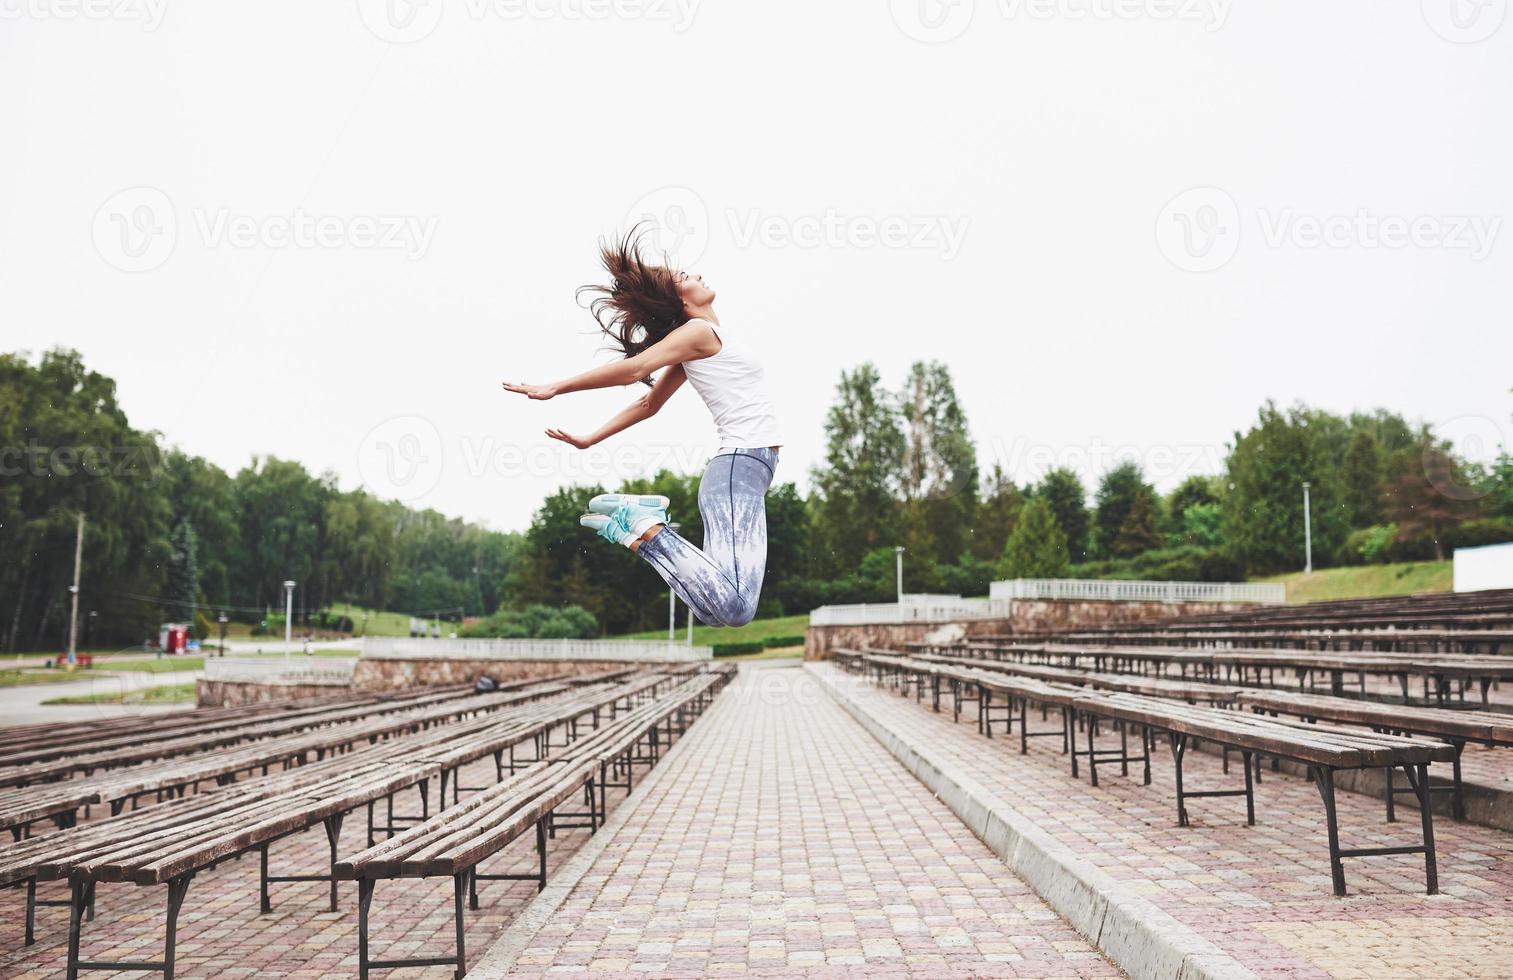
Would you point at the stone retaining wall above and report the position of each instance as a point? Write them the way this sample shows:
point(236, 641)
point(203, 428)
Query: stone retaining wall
point(1024, 614)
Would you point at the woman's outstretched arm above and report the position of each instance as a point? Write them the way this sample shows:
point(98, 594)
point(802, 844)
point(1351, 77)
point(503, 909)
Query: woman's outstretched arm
point(640, 410)
point(691, 341)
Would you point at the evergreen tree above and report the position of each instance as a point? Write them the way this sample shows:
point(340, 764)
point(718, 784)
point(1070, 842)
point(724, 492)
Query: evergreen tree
point(183, 574)
point(1363, 479)
point(939, 473)
point(1139, 533)
point(996, 515)
point(1117, 493)
point(1037, 548)
point(1063, 492)
point(859, 482)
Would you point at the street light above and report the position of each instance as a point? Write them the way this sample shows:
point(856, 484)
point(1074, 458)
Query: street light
point(288, 618)
point(898, 551)
point(1307, 533)
point(222, 620)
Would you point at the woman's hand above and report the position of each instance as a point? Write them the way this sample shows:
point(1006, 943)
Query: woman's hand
point(577, 442)
point(538, 393)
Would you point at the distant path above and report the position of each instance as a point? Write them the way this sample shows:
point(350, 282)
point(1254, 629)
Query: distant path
point(22, 704)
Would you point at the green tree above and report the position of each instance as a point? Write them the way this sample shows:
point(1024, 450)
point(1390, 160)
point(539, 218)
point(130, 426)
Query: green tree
point(1118, 492)
point(1267, 467)
point(183, 574)
point(996, 515)
point(939, 477)
point(1363, 479)
point(1192, 492)
point(1139, 532)
point(859, 481)
point(1063, 492)
point(1037, 548)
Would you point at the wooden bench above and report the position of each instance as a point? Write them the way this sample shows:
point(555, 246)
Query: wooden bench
point(1454, 727)
point(456, 843)
point(1324, 750)
point(170, 844)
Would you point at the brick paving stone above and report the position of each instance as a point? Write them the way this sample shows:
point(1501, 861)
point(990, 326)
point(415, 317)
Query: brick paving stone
point(784, 840)
point(222, 935)
point(1262, 893)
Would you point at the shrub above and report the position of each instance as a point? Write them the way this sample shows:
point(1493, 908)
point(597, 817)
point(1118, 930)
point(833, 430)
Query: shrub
point(773, 642)
point(535, 621)
point(1371, 544)
point(731, 649)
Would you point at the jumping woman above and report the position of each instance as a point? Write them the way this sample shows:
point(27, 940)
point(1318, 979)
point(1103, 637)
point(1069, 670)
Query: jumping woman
point(664, 320)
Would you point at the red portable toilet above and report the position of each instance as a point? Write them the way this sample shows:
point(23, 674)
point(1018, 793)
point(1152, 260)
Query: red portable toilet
point(173, 637)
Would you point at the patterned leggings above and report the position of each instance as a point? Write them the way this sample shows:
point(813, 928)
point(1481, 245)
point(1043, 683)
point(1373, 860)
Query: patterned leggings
point(722, 581)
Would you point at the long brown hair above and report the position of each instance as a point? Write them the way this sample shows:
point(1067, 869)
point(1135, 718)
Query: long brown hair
point(641, 304)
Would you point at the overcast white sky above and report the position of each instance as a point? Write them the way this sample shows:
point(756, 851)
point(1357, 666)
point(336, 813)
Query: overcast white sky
point(1112, 213)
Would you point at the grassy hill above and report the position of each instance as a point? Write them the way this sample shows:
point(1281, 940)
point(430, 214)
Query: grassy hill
point(759, 629)
point(1367, 580)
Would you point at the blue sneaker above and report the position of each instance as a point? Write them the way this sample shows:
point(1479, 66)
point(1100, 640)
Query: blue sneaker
point(608, 503)
point(628, 522)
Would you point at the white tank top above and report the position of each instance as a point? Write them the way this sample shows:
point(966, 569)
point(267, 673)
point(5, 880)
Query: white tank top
point(734, 389)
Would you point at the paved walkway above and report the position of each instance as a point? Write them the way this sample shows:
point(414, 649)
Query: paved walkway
point(1261, 894)
point(783, 840)
point(22, 704)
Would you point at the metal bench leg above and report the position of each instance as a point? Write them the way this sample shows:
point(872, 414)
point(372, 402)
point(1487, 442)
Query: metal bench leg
point(1092, 759)
point(1145, 753)
point(177, 889)
point(333, 834)
point(541, 854)
point(1324, 780)
point(364, 900)
point(1391, 793)
point(1250, 792)
point(458, 881)
point(264, 906)
point(1426, 817)
point(1179, 746)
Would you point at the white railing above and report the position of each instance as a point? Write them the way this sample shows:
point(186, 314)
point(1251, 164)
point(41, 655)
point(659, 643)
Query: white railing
point(281, 670)
point(401, 648)
point(1136, 591)
point(914, 609)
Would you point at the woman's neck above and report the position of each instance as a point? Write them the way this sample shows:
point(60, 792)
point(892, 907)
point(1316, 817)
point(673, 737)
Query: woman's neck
point(702, 313)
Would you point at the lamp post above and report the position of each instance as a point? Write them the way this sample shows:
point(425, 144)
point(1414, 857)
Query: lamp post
point(222, 619)
point(898, 552)
point(288, 618)
point(1307, 533)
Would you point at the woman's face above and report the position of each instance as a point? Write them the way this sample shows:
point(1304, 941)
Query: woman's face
point(693, 290)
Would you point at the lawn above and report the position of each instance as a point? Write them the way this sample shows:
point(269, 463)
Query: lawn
point(758, 629)
point(162, 694)
point(1365, 581)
